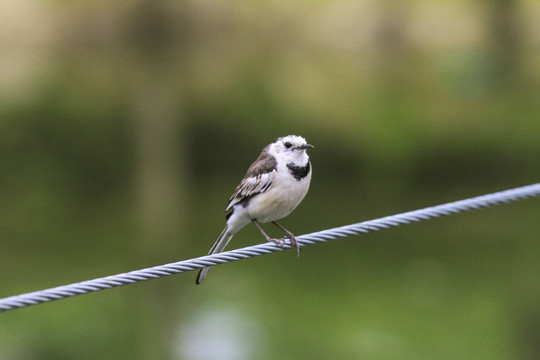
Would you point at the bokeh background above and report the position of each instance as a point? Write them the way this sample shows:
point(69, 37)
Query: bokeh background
point(125, 126)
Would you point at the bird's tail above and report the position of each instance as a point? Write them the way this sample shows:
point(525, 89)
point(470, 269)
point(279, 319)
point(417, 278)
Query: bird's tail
point(218, 247)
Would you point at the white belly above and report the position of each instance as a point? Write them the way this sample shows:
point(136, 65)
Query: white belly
point(280, 200)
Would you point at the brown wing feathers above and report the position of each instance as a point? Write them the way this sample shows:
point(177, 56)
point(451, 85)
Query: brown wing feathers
point(254, 181)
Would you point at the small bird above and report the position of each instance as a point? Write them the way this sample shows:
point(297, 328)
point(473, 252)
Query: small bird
point(272, 188)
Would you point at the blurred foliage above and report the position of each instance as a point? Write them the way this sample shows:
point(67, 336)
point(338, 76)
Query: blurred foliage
point(127, 127)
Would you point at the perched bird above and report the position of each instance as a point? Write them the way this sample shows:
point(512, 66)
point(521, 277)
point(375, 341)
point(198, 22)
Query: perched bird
point(273, 187)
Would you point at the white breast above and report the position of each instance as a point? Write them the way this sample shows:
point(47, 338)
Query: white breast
point(281, 199)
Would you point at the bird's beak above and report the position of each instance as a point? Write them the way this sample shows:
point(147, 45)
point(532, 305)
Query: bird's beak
point(305, 146)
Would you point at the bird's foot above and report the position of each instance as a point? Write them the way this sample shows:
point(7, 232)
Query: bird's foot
point(290, 236)
point(295, 244)
point(278, 242)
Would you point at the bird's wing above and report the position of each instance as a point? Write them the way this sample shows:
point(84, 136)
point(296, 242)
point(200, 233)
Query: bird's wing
point(259, 178)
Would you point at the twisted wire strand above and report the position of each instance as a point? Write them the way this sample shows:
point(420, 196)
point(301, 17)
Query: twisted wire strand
point(108, 282)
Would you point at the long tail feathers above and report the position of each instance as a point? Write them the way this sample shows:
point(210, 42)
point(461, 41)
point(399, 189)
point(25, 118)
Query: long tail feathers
point(218, 247)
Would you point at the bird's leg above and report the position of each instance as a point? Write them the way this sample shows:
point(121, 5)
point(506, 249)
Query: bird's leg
point(290, 235)
point(268, 238)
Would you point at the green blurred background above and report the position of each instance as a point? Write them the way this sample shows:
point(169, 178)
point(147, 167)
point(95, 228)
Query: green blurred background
point(125, 127)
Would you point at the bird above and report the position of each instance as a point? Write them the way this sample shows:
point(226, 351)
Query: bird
point(274, 185)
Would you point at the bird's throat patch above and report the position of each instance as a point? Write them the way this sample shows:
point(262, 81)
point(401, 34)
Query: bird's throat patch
point(299, 172)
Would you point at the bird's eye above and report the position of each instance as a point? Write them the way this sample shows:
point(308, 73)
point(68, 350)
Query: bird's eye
point(288, 145)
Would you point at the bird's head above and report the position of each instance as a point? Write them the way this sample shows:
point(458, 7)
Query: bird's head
point(292, 147)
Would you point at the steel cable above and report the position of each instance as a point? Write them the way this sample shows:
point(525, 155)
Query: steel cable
point(108, 282)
